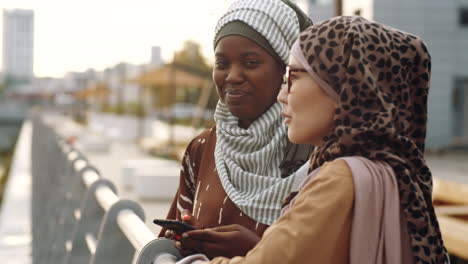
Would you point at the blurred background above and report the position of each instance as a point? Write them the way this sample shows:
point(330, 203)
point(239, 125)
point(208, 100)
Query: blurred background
point(131, 79)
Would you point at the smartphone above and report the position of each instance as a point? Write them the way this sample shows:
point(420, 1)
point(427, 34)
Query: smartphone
point(178, 226)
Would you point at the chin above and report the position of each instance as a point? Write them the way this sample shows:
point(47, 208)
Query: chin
point(300, 138)
point(293, 137)
point(239, 114)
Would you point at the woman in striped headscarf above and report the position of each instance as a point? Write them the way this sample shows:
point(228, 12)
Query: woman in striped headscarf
point(235, 175)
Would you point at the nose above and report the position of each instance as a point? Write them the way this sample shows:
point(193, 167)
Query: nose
point(235, 74)
point(283, 94)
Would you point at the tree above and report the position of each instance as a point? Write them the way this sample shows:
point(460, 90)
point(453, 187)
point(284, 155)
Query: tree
point(191, 58)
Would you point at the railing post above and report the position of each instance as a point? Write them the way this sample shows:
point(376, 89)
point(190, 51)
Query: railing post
point(113, 246)
point(88, 223)
point(74, 192)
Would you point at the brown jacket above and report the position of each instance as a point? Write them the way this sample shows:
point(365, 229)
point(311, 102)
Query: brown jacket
point(201, 192)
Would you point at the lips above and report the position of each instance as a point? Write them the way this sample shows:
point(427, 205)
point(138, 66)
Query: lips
point(235, 95)
point(287, 118)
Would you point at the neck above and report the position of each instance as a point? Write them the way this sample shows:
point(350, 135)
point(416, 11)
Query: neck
point(245, 123)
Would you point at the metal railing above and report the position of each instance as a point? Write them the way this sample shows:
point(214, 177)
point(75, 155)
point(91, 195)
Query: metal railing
point(77, 216)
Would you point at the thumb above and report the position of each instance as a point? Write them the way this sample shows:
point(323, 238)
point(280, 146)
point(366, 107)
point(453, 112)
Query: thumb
point(186, 217)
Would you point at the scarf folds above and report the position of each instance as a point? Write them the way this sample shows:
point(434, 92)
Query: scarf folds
point(248, 160)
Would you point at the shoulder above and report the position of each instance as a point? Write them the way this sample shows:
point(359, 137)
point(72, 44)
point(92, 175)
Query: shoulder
point(200, 146)
point(359, 166)
point(207, 133)
point(336, 168)
point(333, 177)
point(202, 140)
point(331, 184)
point(331, 171)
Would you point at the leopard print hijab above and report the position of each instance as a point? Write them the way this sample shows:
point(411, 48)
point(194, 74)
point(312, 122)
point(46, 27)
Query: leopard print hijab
point(379, 77)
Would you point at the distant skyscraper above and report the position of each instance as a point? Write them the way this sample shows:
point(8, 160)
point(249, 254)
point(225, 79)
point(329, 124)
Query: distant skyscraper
point(156, 59)
point(18, 40)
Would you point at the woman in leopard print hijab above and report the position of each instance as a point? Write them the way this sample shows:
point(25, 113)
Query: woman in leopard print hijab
point(379, 77)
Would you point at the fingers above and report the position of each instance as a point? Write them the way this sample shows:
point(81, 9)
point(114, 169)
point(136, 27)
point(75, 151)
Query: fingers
point(189, 246)
point(212, 249)
point(228, 228)
point(227, 241)
point(170, 234)
point(209, 248)
point(203, 234)
point(187, 217)
point(185, 251)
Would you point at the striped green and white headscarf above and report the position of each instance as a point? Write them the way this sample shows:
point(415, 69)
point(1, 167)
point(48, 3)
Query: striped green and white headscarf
point(248, 160)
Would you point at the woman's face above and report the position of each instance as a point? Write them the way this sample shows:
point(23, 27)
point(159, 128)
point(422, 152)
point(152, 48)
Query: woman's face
point(247, 78)
point(307, 109)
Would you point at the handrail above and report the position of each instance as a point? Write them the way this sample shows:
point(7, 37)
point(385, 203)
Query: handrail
point(135, 230)
point(106, 197)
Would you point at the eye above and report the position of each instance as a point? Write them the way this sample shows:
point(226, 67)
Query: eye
point(250, 63)
point(292, 76)
point(221, 64)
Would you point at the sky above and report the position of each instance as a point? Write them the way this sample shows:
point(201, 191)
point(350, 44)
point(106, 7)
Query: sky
point(74, 35)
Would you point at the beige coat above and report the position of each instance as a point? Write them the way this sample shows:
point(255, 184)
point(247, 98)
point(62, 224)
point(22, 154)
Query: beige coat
point(298, 236)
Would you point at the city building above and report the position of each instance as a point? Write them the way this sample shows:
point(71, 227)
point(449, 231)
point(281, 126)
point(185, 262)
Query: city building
point(156, 59)
point(444, 27)
point(18, 44)
point(318, 10)
point(122, 91)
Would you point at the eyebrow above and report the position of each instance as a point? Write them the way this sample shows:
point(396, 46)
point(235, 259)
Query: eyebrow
point(245, 54)
point(249, 53)
point(295, 68)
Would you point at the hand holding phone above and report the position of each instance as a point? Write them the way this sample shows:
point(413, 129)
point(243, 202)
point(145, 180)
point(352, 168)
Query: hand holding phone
point(178, 226)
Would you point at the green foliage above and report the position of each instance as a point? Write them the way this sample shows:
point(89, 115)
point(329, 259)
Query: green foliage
point(5, 161)
point(191, 58)
point(134, 109)
point(120, 109)
point(107, 108)
point(80, 117)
